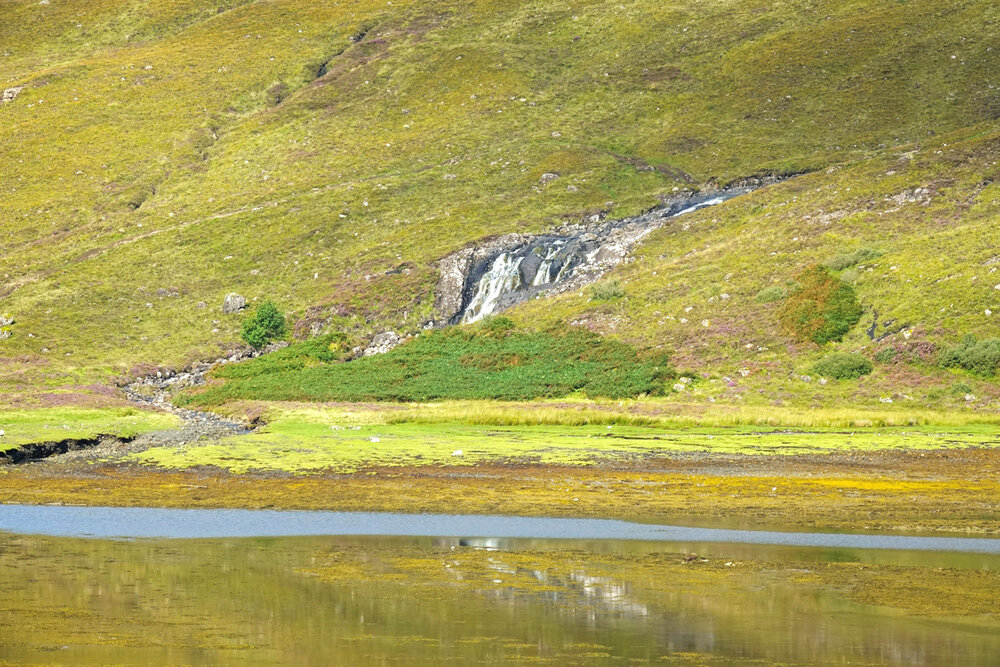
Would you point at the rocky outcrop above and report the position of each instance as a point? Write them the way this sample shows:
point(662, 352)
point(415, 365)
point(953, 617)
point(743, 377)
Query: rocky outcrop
point(382, 343)
point(10, 93)
point(233, 303)
point(476, 282)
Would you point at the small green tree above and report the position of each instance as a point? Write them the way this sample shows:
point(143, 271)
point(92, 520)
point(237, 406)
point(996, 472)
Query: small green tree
point(266, 324)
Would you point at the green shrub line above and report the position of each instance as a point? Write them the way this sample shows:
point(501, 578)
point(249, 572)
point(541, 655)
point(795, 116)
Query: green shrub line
point(490, 361)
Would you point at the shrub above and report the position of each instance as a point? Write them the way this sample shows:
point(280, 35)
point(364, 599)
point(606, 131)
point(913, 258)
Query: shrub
point(823, 310)
point(607, 291)
point(454, 363)
point(771, 294)
point(981, 357)
point(886, 355)
point(847, 260)
point(265, 325)
point(960, 389)
point(843, 366)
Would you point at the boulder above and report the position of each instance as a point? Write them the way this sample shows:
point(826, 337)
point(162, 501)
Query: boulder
point(382, 343)
point(10, 93)
point(233, 303)
point(548, 177)
point(529, 267)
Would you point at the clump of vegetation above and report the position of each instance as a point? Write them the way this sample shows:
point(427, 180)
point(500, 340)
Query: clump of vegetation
point(887, 355)
point(823, 310)
point(847, 260)
point(981, 357)
point(265, 325)
point(960, 389)
point(490, 361)
point(843, 366)
point(608, 291)
point(771, 294)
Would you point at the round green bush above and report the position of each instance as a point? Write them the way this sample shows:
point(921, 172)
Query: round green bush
point(265, 325)
point(843, 366)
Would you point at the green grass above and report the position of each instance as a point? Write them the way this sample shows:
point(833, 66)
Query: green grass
point(490, 361)
point(51, 424)
point(173, 146)
point(330, 440)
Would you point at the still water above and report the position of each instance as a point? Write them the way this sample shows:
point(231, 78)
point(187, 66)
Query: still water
point(150, 522)
point(488, 600)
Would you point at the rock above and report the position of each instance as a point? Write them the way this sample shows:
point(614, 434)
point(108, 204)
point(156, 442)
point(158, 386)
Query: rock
point(529, 267)
point(10, 93)
point(201, 305)
point(548, 177)
point(382, 343)
point(5, 333)
point(275, 346)
point(572, 188)
point(233, 303)
point(449, 292)
point(6, 319)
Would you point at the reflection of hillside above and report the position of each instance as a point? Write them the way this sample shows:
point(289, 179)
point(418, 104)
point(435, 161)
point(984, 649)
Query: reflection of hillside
point(369, 601)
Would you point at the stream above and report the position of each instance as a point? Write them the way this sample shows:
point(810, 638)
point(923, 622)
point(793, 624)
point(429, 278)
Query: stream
point(149, 522)
point(516, 268)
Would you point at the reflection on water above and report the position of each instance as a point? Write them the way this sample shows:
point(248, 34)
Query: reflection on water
point(420, 600)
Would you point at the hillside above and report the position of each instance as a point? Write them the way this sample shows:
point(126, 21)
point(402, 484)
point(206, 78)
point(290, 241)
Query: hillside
point(157, 156)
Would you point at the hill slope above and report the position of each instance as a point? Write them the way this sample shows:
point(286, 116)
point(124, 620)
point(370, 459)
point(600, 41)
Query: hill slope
point(160, 155)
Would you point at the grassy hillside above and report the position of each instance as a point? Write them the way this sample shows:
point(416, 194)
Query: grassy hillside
point(326, 155)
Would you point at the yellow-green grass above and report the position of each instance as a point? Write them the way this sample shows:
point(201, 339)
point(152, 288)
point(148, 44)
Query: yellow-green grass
point(54, 424)
point(226, 166)
point(667, 412)
point(313, 440)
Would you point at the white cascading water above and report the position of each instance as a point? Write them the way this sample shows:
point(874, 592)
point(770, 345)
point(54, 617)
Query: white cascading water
point(545, 274)
point(502, 277)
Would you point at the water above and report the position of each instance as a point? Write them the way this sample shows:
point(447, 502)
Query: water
point(151, 522)
point(417, 601)
point(544, 262)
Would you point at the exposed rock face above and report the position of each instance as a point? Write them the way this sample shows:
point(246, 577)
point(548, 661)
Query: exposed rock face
point(476, 282)
point(382, 343)
point(10, 93)
point(233, 303)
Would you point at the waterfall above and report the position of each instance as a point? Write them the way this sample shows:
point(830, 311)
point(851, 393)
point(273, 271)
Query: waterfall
point(503, 276)
point(564, 261)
